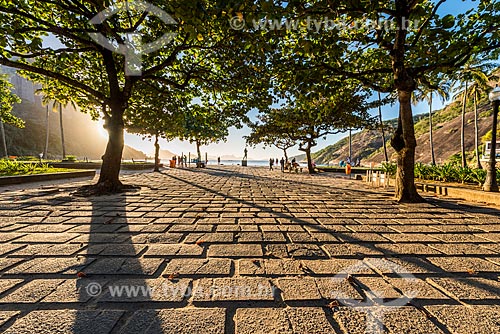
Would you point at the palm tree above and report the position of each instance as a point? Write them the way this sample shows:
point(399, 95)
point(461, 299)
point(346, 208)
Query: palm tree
point(425, 93)
point(57, 105)
point(47, 133)
point(479, 87)
point(472, 79)
point(4, 140)
point(60, 105)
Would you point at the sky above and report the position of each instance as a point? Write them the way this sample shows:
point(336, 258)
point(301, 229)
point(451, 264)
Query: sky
point(235, 143)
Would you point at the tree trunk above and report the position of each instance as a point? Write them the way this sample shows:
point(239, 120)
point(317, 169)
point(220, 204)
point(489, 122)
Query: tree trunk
point(386, 156)
point(476, 134)
point(47, 130)
point(404, 143)
point(62, 130)
point(111, 160)
point(157, 154)
point(310, 167)
point(462, 138)
point(286, 154)
point(431, 140)
point(350, 146)
point(198, 151)
point(4, 140)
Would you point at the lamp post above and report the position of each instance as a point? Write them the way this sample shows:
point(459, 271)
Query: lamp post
point(491, 178)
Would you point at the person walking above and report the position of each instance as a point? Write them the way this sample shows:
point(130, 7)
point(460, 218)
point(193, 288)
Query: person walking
point(271, 163)
point(282, 163)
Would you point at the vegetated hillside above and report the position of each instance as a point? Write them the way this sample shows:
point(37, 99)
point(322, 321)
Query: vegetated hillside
point(367, 144)
point(82, 138)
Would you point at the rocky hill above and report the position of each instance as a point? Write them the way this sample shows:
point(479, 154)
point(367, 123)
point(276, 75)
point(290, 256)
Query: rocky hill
point(367, 144)
point(82, 137)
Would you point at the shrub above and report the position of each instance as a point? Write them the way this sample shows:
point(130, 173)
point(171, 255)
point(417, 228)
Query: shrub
point(389, 168)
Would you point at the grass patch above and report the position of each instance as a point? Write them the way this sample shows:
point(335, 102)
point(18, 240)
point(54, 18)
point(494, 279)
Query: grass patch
point(17, 168)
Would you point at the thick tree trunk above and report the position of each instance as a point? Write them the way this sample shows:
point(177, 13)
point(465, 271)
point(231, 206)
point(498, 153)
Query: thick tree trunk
point(310, 167)
point(4, 140)
point(476, 134)
point(111, 160)
point(386, 156)
point(157, 154)
point(462, 137)
point(431, 140)
point(62, 130)
point(350, 146)
point(47, 133)
point(198, 151)
point(404, 143)
point(286, 154)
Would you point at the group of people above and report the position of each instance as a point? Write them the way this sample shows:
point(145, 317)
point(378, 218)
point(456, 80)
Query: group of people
point(284, 164)
point(350, 162)
point(180, 160)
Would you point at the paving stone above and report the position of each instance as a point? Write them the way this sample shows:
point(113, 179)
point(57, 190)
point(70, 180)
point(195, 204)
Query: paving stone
point(336, 266)
point(407, 249)
point(140, 291)
point(406, 320)
point(352, 250)
point(310, 320)
point(276, 251)
point(411, 237)
point(377, 288)
point(6, 284)
point(415, 288)
point(235, 250)
point(199, 267)
point(158, 250)
point(7, 315)
point(262, 321)
point(48, 249)
point(72, 291)
point(464, 264)
point(404, 265)
point(337, 288)
point(474, 288)
point(65, 322)
point(158, 238)
point(397, 320)
point(195, 321)
point(123, 250)
point(463, 249)
point(32, 291)
point(232, 289)
point(461, 319)
point(298, 289)
point(51, 266)
point(287, 231)
point(305, 251)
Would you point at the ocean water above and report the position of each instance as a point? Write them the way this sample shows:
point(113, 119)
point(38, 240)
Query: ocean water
point(254, 163)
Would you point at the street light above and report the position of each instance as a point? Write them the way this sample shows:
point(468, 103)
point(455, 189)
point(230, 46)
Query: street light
point(491, 178)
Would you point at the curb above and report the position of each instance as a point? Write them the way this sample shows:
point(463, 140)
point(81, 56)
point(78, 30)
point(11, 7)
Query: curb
point(20, 179)
point(470, 195)
point(462, 193)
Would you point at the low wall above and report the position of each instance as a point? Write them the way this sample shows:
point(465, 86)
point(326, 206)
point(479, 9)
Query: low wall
point(19, 179)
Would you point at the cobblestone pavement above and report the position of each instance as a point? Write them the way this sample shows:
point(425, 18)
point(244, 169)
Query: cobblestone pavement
point(245, 250)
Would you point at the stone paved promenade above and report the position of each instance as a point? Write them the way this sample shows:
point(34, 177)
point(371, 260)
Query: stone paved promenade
point(247, 251)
